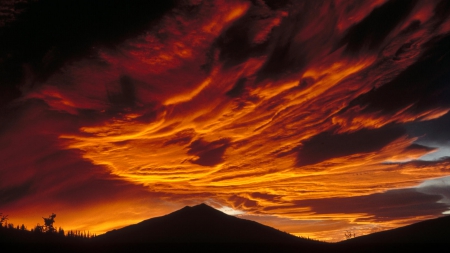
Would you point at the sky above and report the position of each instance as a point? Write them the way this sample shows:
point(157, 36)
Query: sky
point(313, 117)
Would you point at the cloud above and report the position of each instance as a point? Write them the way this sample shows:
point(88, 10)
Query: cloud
point(33, 48)
point(326, 145)
point(208, 153)
point(391, 205)
point(13, 193)
point(238, 89)
point(432, 131)
point(371, 32)
point(420, 88)
point(38, 177)
point(126, 95)
point(437, 187)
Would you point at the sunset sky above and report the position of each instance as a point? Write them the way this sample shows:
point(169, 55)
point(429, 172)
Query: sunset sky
point(313, 117)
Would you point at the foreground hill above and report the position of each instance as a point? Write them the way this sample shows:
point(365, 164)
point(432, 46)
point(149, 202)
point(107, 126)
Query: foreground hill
point(203, 227)
point(425, 236)
point(429, 231)
point(199, 224)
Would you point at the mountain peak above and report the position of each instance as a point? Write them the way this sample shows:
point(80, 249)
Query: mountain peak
point(203, 206)
point(199, 223)
point(199, 212)
point(199, 206)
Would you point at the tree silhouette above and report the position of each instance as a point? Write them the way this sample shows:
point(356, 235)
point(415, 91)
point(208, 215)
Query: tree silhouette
point(349, 234)
point(48, 223)
point(61, 232)
point(3, 218)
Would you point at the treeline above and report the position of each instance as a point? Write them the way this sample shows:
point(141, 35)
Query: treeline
point(42, 230)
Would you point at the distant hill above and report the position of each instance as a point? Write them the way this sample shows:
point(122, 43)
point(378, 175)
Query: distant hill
point(429, 231)
point(426, 236)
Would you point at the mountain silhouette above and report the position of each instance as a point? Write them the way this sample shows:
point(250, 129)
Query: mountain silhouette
point(429, 231)
point(425, 236)
point(202, 228)
point(199, 224)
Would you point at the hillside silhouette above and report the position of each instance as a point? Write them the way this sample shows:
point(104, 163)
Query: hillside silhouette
point(429, 231)
point(199, 224)
point(202, 228)
point(425, 236)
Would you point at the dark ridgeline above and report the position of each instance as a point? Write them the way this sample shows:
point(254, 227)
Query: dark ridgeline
point(425, 236)
point(45, 238)
point(204, 229)
point(429, 231)
point(199, 224)
point(198, 229)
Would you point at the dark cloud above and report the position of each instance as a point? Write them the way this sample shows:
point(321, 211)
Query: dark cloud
point(235, 44)
point(371, 32)
point(389, 205)
point(180, 138)
point(238, 88)
point(435, 131)
point(9, 9)
point(94, 190)
point(125, 94)
point(288, 51)
point(441, 12)
point(410, 48)
point(14, 193)
point(283, 59)
point(242, 203)
point(423, 85)
point(35, 170)
point(265, 196)
point(327, 145)
point(442, 162)
point(263, 31)
point(418, 147)
point(8, 93)
point(438, 186)
point(209, 153)
point(47, 34)
point(277, 4)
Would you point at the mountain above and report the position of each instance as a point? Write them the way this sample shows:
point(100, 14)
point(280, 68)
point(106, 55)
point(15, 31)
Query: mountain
point(426, 236)
point(203, 228)
point(199, 224)
point(429, 231)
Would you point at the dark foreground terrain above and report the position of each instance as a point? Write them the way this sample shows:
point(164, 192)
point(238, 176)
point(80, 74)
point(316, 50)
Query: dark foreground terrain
point(204, 229)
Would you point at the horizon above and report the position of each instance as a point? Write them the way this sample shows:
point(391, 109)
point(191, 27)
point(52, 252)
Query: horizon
point(184, 209)
point(311, 117)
